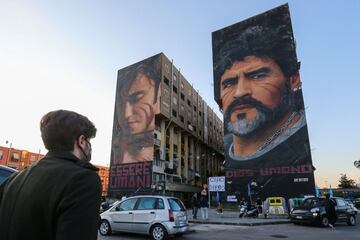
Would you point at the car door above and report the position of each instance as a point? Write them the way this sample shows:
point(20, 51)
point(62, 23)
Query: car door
point(122, 215)
point(144, 214)
point(341, 209)
point(179, 211)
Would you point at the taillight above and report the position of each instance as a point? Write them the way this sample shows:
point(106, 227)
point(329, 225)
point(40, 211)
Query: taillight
point(171, 215)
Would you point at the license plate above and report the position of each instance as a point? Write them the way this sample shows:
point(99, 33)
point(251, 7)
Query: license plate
point(299, 217)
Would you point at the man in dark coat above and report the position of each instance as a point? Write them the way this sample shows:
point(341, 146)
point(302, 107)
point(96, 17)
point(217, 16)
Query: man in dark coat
point(330, 210)
point(59, 197)
point(195, 205)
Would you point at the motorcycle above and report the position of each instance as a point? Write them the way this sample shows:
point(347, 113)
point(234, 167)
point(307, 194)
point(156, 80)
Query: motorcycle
point(248, 211)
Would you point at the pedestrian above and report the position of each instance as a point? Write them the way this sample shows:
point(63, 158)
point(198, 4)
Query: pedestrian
point(330, 210)
point(58, 197)
point(219, 208)
point(195, 205)
point(204, 204)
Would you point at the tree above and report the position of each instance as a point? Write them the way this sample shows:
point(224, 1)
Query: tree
point(344, 182)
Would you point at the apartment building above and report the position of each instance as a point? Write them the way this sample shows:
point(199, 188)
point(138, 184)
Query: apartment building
point(187, 134)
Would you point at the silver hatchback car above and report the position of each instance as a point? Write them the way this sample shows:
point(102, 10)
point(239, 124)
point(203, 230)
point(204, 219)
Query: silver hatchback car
point(158, 216)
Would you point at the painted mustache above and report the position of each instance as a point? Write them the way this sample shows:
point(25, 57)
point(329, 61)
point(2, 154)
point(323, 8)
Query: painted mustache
point(246, 101)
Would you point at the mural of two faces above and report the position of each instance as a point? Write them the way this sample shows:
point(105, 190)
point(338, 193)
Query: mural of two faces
point(257, 85)
point(137, 103)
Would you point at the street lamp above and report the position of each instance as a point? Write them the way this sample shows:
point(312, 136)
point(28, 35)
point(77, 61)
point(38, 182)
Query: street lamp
point(9, 152)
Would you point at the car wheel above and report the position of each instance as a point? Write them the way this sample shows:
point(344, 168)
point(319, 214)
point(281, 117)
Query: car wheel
point(158, 232)
point(105, 228)
point(352, 221)
point(325, 221)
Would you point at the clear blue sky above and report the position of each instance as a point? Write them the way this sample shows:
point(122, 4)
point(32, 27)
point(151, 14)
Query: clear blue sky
point(66, 54)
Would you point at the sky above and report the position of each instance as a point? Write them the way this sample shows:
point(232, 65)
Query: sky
point(65, 55)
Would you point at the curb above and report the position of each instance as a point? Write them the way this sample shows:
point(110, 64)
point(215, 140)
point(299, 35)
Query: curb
point(241, 224)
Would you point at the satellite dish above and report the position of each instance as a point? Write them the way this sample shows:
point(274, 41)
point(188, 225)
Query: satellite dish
point(357, 163)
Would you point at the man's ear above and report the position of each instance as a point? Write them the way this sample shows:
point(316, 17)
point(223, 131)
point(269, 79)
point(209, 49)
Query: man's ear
point(295, 82)
point(80, 142)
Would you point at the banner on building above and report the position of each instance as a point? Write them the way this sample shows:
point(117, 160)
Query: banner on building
point(257, 86)
point(137, 102)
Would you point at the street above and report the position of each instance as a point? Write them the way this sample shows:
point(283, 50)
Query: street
point(288, 231)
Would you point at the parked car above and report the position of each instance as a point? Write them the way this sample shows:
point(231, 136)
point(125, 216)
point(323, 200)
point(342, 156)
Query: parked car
point(158, 216)
point(352, 204)
point(5, 172)
point(312, 210)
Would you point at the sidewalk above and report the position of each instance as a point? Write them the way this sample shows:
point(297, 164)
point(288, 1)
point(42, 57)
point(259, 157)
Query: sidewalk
point(229, 217)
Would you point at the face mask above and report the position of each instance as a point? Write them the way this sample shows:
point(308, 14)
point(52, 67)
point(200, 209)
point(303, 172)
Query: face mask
point(87, 152)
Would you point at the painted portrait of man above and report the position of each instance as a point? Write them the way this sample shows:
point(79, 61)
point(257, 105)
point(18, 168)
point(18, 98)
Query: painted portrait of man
point(258, 88)
point(137, 103)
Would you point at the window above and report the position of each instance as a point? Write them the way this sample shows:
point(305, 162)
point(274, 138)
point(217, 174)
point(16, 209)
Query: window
point(200, 113)
point(166, 81)
point(127, 205)
point(174, 113)
point(182, 107)
point(15, 157)
point(340, 203)
point(160, 204)
point(176, 205)
point(175, 89)
point(174, 77)
point(175, 100)
point(182, 96)
point(188, 102)
point(182, 119)
point(181, 85)
point(33, 158)
point(194, 108)
point(147, 203)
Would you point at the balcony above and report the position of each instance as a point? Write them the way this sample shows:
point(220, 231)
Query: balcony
point(158, 166)
point(191, 174)
point(157, 142)
point(176, 162)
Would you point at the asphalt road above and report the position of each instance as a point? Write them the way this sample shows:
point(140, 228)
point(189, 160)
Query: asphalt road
point(281, 231)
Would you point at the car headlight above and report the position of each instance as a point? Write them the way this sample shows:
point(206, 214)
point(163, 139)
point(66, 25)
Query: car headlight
point(314, 210)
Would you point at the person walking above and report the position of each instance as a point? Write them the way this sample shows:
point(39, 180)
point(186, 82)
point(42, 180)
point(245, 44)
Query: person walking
point(204, 204)
point(330, 210)
point(195, 205)
point(58, 197)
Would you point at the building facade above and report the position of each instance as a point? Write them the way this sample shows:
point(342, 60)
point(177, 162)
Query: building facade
point(186, 135)
point(21, 159)
point(104, 177)
point(17, 158)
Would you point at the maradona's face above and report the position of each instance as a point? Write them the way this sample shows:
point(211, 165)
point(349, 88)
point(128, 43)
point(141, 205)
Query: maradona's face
point(250, 89)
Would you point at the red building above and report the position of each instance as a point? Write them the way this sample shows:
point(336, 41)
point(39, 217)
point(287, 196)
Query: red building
point(21, 159)
point(17, 158)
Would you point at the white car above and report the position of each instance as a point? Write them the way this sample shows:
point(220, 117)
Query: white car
point(158, 216)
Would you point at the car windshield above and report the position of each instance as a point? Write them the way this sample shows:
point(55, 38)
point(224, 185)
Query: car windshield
point(313, 202)
point(176, 204)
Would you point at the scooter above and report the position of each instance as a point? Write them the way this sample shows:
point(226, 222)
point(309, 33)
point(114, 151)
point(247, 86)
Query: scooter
point(251, 211)
point(242, 210)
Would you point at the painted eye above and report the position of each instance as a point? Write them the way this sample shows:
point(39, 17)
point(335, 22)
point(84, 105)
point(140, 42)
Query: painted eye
point(135, 97)
point(229, 82)
point(258, 76)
